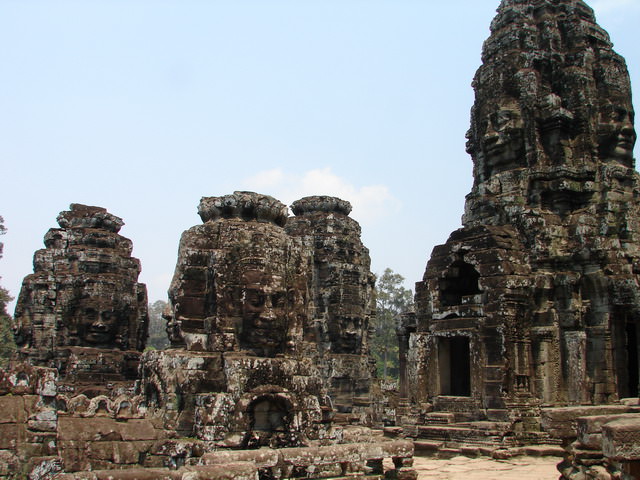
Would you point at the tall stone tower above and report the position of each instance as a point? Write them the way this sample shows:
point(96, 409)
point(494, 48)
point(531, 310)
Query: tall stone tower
point(269, 323)
point(83, 308)
point(535, 301)
point(343, 300)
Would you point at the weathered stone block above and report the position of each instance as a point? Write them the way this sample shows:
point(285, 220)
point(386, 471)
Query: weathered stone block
point(12, 408)
point(12, 436)
point(563, 422)
point(621, 439)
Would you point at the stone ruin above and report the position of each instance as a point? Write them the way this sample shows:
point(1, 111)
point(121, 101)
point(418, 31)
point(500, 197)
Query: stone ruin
point(83, 311)
point(269, 321)
point(342, 302)
point(524, 338)
point(275, 318)
point(534, 303)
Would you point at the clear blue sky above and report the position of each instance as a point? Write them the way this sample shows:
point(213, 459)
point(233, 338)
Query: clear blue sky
point(143, 107)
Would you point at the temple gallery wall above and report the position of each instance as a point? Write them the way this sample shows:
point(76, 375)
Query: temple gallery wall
point(524, 337)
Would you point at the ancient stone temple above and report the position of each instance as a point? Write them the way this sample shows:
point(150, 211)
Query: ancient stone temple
point(83, 311)
point(269, 330)
point(269, 324)
point(535, 302)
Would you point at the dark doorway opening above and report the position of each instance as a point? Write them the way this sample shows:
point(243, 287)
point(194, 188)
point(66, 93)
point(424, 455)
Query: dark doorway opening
point(632, 358)
point(454, 359)
point(625, 348)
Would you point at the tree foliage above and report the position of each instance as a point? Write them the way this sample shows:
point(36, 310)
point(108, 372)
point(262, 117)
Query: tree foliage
point(7, 345)
point(157, 326)
point(392, 299)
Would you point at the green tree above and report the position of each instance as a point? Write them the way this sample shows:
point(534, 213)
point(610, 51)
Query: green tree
point(157, 326)
point(392, 299)
point(7, 345)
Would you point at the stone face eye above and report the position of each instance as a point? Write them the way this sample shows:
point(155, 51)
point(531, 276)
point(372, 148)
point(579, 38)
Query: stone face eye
point(255, 299)
point(278, 300)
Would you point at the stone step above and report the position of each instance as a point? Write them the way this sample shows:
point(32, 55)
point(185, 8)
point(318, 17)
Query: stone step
point(475, 434)
point(439, 418)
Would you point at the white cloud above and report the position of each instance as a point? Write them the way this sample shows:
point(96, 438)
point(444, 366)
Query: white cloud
point(371, 203)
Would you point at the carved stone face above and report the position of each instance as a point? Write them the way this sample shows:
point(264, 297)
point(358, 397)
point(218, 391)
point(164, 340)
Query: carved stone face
point(346, 335)
point(97, 326)
point(616, 135)
point(264, 313)
point(502, 137)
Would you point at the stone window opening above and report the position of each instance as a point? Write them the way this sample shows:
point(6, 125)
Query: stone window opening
point(269, 415)
point(461, 280)
point(270, 423)
point(152, 396)
point(454, 366)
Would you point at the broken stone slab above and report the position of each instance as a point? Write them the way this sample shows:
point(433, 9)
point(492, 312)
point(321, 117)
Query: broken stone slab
point(94, 429)
point(590, 428)
point(231, 471)
point(621, 439)
point(264, 457)
point(323, 462)
point(563, 422)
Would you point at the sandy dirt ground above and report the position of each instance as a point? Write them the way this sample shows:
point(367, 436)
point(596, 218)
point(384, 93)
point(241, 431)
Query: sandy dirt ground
point(483, 468)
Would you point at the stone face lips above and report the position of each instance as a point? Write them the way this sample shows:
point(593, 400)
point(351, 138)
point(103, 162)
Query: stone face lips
point(84, 290)
point(538, 292)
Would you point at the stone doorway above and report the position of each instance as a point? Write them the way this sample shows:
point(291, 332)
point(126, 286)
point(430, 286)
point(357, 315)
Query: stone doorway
point(454, 366)
point(631, 331)
point(627, 359)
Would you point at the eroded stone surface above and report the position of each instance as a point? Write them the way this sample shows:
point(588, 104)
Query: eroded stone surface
point(240, 281)
point(342, 295)
point(84, 292)
point(535, 300)
point(269, 322)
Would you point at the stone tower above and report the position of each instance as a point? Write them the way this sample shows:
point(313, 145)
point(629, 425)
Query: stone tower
point(269, 323)
point(240, 371)
point(83, 297)
point(535, 301)
point(343, 300)
point(240, 281)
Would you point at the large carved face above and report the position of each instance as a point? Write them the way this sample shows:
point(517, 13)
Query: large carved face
point(98, 325)
point(502, 137)
point(616, 135)
point(264, 313)
point(346, 335)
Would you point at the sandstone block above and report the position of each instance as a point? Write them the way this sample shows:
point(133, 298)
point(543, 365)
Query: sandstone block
point(621, 439)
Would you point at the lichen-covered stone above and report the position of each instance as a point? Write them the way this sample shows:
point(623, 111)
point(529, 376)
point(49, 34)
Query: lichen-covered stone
point(240, 281)
point(535, 300)
point(341, 280)
point(239, 307)
point(270, 324)
point(342, 289)
point(84, 291)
